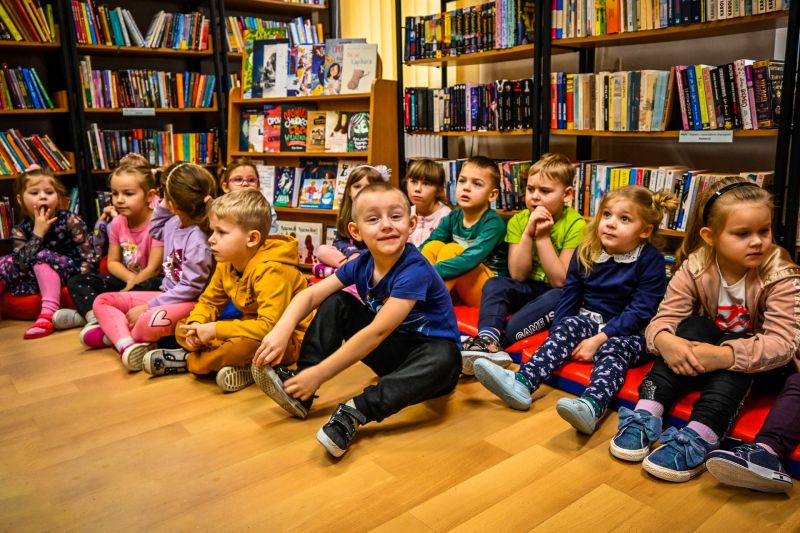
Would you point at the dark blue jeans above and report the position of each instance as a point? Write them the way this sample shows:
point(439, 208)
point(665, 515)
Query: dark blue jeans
point(532, 304)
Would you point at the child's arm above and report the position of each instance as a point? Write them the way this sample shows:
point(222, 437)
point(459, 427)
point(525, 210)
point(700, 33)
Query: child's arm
point(25, 248)
point(680, 301)
point(391, 315)
point(211, 301)
point(443, 232)
point(160, 217)
point(274, 343)
point(152, 269)
point(491, 235)
point(115, 266)
point(80, 236)
point(343, 244)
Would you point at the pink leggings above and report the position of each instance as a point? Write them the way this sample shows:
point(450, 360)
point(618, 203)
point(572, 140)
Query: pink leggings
point(110, 309)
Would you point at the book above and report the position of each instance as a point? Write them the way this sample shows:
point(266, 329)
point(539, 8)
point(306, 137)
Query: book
point(358, 132)
point(294, 127)
point(336, 131)
point(272, 128)
point(315, 141)
point(359, 67)
point(330, 234)
point(343, 169)
point(270, 60)
point(285, 195)
point(308, 235)
point(331, 76)
point(266, 181)
point(250, 36)
point(318, 185)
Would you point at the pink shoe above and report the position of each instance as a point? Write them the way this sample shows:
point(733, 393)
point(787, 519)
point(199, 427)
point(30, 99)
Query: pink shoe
point(92, 336)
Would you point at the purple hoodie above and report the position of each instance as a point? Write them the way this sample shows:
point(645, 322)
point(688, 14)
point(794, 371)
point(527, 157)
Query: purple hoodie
point(187, 258)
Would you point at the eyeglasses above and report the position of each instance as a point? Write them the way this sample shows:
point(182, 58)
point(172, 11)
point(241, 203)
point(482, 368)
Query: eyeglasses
point(238, 180)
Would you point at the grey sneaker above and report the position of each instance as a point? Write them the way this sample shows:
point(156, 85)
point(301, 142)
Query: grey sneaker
point(503, 383)
point(162, 361)
point(476, 348)
point(579, 413)
point(133, 355)
point(234, 378)
point(67, 319)
point(270, 381)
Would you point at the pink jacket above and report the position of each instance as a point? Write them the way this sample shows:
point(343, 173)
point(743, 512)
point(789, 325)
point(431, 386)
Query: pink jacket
point(773, 300)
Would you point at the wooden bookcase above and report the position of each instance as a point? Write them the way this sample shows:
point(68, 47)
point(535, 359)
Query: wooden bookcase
point(381, 102)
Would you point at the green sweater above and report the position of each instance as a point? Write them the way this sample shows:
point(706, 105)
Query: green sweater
point(482, 242)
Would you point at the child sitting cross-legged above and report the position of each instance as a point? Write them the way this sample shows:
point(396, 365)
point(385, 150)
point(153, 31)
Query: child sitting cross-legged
point(405, 330)
point(541, 240)
point(614, 285)
point(258, 272)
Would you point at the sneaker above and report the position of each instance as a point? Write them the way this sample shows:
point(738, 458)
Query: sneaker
point(482, 348)
point(339, 430)
point(504, 384)
point(233, 378)
point(68, 319)
point(749, 466)
point(92, 336)
point(638, 430)
point(680, 457)
point(270, 381)
point(132, 356)
point(162, 361)
point(579, 413)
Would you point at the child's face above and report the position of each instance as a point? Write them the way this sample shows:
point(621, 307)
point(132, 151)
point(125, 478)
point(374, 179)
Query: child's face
point(357, 186)
point(382, 222)
point(422, 193)
point(39, 194)
point(244, 177)
point(548, 193)
point(745, 238)
point(621, 228)
point(475, 188)
point(229, 242)
point(128, 196)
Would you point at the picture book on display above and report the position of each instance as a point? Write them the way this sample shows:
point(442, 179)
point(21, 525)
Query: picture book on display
point(330, 234)
point(358, 132)
point(315, 141)
point(294, 127)
point(270, 59)
point(286, 192)
point(318, 185)
point(332, 66)
point(247, 62)
point(343, 170)
point(266, 181)
point(359, 67)
point(308, 235)
point(336, 131)
point(272, 128)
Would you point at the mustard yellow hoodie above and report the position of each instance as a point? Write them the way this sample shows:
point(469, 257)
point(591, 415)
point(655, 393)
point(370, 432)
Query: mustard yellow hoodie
point(262, 292)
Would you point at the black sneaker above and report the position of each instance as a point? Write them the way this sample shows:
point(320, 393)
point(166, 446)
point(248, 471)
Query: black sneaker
point(270, 380)
point(340, 429)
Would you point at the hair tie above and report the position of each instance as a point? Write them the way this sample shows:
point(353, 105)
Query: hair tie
point(207, 199)
point(383, 170)
point(717, 194)
point(33, 167)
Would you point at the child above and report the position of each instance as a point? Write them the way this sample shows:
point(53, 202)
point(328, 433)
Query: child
point(757, 465)
point(467, 247)
point(425, 188)
point(612, 291)
point(259, 273)
point(405, 330)
point(541, 240)
point(134, 257)
point(344, 247)
point(729, 311)
point(130, 321)
point(50, 246)
point(242, 174)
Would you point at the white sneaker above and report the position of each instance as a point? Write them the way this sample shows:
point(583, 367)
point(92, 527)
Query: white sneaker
point(133, 355)
point(67, 319)
point(234, 378)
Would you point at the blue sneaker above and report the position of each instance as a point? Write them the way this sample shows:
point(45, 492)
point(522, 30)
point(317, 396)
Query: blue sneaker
point(579, 413)
point(503, 384)
point(680, 457)
point(749, 466)
point(637, 431)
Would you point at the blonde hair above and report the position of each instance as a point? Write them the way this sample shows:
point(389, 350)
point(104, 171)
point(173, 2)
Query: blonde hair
point(346, 209)
point(22, 183)
point(380, 186)
point(139, 166)
point(718, 211)
point(189, 187)
point(430, 172)
point(226, 171)
point(247, 208)
point(650, 206)
point(556, 167)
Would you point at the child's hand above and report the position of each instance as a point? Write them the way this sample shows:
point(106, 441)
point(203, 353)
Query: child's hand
point(679, 354)
point(713, 357)
point(586, 349)
point(134, 313)
point(544, 223)
point(199, 335)
point(271, 349)
point(530, 228)
point(109, 212)
point(305, 384)
point(130, 284)
point(44, 219)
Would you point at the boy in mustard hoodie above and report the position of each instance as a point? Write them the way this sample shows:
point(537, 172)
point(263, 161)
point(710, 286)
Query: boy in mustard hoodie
point(258, 273)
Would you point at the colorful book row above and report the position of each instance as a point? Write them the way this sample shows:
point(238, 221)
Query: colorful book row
point(26, 20)
point(21, 88)
point(315, 184)
point(178, 31)
point(6, 217)
point(104, 26)
point(17, 153)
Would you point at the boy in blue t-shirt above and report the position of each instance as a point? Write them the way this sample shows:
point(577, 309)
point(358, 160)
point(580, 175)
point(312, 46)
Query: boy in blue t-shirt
point(405, 330)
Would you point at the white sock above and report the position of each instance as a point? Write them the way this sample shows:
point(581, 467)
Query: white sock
point(351, 403)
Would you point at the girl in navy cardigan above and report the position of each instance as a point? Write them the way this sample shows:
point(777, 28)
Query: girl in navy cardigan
point(614, 285)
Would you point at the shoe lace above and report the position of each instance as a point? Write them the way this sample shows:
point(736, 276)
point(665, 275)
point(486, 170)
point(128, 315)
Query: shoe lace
point(679, 440)
point(649, 424)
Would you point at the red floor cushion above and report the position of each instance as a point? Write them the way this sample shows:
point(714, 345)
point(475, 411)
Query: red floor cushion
point(28, 307)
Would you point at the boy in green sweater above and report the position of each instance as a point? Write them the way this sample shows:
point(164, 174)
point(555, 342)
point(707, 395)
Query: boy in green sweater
point(467, 248)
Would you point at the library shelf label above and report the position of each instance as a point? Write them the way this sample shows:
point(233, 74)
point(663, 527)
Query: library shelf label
point(706, 136)
point(138, 112)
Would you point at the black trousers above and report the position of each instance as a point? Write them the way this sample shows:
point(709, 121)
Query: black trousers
point(721, 392)
point(412, 367)
point(85, 288)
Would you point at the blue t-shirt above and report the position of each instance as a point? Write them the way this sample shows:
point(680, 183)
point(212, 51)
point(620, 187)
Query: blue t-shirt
point(411, 278)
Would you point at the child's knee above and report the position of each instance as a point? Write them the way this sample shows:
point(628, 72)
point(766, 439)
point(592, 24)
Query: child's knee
point(431, 251)
point(449, 251)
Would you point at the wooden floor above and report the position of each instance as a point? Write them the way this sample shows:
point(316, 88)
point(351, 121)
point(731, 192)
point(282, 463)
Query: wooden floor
point(86, 446)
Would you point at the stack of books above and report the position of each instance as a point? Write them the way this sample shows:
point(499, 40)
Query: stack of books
point(638, 100)
point(18, 153)
point(6, 217)
point(21, 88)
point(301, 128)
point(178, 31)
point(159, 147)
point(489, 26)
point(26, 20)
point(745, 94)
point(502, 105)
point(110, 89)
